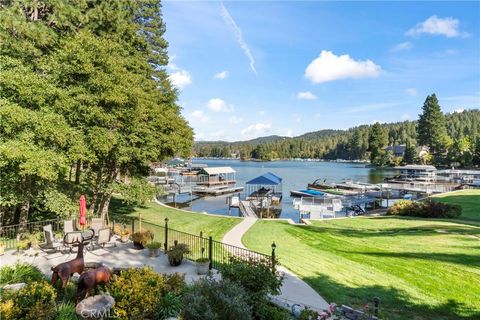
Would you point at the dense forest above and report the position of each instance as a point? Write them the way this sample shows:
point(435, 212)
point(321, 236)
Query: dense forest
point(462, 129)
point(85, 105)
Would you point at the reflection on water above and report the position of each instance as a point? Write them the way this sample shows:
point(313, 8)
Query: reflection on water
point(295, 174)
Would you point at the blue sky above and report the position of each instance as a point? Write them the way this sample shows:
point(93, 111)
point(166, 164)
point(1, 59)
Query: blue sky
point(249, 69)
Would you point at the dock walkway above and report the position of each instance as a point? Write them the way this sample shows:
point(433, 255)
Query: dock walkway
point(246, 210)
point(294, 290)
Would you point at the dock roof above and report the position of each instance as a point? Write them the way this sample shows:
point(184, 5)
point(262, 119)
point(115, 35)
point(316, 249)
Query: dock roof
point(417, 167)
point(267, 179)
point(216, 170)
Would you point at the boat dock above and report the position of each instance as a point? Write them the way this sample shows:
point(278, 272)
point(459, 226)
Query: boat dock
point(246, 210)
point(216, 191)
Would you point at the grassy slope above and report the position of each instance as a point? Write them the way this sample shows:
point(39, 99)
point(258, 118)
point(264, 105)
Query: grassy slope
point(420, 269)
point(214, 226)
point(470, 200)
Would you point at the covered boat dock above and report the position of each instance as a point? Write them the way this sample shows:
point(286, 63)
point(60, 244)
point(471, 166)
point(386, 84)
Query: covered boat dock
point(267, 185)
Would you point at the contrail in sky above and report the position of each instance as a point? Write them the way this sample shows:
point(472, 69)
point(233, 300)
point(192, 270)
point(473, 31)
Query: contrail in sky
point(238, 34)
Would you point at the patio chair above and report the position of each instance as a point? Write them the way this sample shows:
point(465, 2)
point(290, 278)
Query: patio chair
point(68, 226)
point(51, 244)
point(72, 239)
point(97, 224)
point(104, 237)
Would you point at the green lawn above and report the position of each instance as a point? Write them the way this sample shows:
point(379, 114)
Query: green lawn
point(420, 269)
point(470, 200)
point(215, 226)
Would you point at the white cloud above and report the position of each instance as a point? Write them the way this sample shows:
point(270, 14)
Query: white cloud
point(235, 120)
point(329, 67)
point(199, 115)
point(218, 105)
point(448, 27)
point(221, 75)
point(405, 116)
point(180, 78)
point(261, 113)
point(403, 46)
point(289, 133)
point(411, 91)
point(306, 95)
point(459, 110)
point(238, 34)
point(257, 129)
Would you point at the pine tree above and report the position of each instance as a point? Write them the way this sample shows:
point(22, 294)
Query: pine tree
point(377, 139)
point(409, 155)
point(432, 131)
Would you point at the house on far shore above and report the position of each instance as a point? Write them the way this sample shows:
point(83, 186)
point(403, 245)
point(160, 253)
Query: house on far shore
point(397, 150)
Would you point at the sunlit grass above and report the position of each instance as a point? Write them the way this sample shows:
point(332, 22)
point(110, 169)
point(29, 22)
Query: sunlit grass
point(420, 269)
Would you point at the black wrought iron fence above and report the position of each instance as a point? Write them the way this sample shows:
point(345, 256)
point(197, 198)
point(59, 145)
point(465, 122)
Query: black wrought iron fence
point(202, 246)
point(10, 235)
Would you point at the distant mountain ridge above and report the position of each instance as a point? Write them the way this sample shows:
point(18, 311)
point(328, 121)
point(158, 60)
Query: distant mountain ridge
point(351, 144)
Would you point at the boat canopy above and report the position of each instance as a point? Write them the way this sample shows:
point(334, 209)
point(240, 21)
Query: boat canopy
point(267, 179)
point(216, 170)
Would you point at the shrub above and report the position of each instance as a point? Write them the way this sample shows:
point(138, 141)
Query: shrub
point(272, 312)
point(257, 278)
point(20, 272)
point(154, 245)
point(66, 311)
point(138, 293)
point(168, 307)
point(142, 237)
point(34, 301)
point(215, 300)
point(425, 209)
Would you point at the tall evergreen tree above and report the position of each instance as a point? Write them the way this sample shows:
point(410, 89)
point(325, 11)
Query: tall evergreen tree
point(431, 129)
point(377, 140)
point(410, 152)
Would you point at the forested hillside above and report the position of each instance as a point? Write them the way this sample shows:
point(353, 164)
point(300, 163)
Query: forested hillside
point(462, 129)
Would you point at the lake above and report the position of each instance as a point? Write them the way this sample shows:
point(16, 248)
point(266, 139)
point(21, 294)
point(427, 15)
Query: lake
point(295, 174)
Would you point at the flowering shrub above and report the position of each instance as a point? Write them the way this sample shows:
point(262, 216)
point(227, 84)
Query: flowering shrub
point(34, 301)
point(139, 292)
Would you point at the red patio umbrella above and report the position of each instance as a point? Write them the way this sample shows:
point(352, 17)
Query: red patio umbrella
point(83, 210)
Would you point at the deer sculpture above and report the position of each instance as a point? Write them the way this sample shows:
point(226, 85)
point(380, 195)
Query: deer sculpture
point(90, 279)
point(65, 270)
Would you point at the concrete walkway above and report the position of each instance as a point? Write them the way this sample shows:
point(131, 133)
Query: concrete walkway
point(294, 290)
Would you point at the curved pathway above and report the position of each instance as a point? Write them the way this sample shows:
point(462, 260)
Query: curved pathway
point(294, 290)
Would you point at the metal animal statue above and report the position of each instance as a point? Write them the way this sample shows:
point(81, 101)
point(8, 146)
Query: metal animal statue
point(65, 270)
point(90, 279)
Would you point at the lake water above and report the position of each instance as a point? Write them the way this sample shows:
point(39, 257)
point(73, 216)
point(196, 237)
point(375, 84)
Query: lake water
point(295, 174)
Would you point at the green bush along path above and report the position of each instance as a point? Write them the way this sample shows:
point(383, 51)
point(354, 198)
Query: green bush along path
point(215, 226)
point(420, 268)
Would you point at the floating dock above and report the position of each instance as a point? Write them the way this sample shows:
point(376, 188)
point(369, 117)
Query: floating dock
point(216, 191)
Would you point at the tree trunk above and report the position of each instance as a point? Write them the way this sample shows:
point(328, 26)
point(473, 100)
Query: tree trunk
point(78, 171)
point(98, 181)
point(24, 209)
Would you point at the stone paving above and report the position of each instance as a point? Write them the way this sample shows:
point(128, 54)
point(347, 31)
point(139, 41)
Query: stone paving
point(124, 255)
